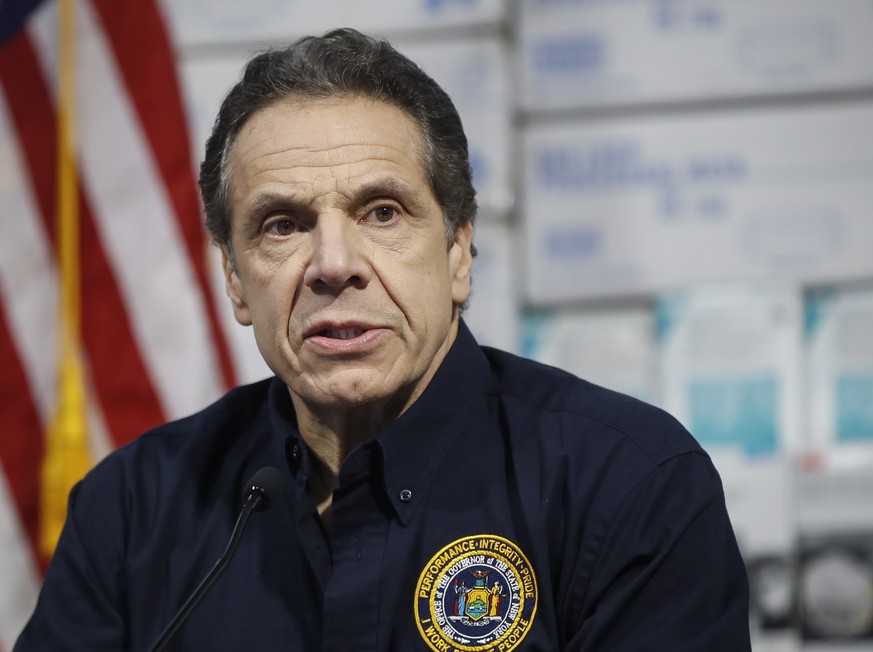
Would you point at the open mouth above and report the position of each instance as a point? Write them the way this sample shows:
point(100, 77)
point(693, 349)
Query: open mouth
point(342, 333)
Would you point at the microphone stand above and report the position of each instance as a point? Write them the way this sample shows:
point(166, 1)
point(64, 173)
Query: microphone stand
point(253, 502)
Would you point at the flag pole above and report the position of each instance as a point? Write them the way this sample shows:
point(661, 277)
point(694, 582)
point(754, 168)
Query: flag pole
point(67, 455)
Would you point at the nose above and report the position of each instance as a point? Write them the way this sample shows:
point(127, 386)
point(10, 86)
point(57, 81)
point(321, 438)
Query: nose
point(337, 259)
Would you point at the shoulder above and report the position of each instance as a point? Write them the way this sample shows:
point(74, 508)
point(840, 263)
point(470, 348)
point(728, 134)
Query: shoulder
point(172, 456)
point(582, 414)
point(218, 424)
point(237, 407)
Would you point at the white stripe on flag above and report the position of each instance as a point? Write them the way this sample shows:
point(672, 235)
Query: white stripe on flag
point(17, 568)
point(27, 271)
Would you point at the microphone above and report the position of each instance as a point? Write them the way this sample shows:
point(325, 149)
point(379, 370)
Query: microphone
point(265, 486)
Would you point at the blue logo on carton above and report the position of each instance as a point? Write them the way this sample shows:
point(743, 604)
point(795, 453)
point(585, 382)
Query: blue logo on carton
point(437, 6)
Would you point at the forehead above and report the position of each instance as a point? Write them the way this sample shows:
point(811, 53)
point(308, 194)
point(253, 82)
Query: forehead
point(320, 133)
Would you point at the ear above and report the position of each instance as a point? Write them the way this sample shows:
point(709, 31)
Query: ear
point(234, 288)
point(461, 263)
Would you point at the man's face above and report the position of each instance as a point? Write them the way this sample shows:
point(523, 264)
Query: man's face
point(342, 265)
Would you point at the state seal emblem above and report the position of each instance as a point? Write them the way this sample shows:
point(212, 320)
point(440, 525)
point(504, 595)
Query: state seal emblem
point(477, 594)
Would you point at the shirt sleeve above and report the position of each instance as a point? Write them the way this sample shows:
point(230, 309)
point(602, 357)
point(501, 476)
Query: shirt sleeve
point(81, 603)
point(667, 574)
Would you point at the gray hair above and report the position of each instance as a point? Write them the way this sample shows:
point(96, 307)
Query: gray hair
point(343, 62)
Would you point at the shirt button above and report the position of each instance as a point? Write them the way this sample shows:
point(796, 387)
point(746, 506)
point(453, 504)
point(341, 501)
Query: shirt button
point(294, 453)
point(405, 495)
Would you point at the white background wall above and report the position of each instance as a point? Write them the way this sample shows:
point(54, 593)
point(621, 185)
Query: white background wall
point(676, 201)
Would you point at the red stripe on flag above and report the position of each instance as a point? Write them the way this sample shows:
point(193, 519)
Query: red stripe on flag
point(154, 91)
point(21, 441)
point(124, 389)
point(35, 120)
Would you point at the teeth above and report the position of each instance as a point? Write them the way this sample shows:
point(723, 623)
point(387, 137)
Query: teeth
point(343, 333)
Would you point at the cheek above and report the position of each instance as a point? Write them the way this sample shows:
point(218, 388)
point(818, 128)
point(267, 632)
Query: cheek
point(275, 291)
point(418, 286)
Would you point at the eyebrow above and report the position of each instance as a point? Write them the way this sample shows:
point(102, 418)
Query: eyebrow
point(271, 201)
point(384, 187)
point(390, 187)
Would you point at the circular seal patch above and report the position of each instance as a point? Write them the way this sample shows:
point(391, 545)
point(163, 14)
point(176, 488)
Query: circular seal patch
point(478, 594)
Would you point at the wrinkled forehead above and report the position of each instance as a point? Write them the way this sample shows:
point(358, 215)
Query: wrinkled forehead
point(317, 122)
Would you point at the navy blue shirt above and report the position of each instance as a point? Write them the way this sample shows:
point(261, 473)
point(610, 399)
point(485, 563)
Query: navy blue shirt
point(512, 507)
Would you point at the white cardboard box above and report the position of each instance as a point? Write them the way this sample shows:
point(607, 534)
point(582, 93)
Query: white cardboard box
point(731, 365)
point(581, 53)
point(839, 377)
point(634, 206)
point(493, 312)
point(613, 347)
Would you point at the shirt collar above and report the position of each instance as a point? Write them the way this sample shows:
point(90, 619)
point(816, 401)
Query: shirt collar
point(414, 446)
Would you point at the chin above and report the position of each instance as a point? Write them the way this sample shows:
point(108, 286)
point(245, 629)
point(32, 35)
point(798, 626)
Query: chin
point(361, 396)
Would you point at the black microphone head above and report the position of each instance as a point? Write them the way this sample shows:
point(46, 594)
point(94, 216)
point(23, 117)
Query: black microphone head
point(266, 485)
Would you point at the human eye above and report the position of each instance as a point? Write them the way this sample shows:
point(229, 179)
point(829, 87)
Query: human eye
point(280, 227)
point(382, 214)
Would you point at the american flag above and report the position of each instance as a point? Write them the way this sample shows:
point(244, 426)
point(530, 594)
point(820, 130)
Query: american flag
point(151, 341)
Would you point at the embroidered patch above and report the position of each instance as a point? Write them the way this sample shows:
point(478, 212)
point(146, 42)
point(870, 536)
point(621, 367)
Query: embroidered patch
point(478, 594)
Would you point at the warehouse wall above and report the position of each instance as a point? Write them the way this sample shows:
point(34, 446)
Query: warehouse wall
point(677, 202)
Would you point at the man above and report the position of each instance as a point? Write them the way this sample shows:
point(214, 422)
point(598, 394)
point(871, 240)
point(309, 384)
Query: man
point(337, 185)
